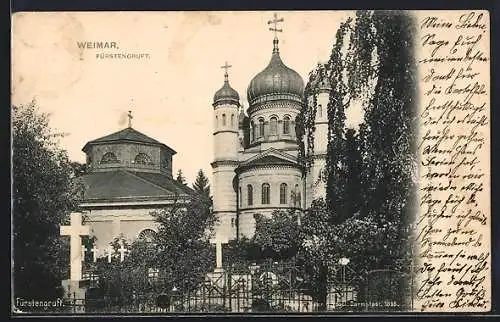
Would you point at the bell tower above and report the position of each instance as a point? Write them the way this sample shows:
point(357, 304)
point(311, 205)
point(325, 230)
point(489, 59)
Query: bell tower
point(316, 179)
point(226, 145)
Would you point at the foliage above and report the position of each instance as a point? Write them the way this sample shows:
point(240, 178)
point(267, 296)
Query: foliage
point(183, 239)
point(43, 196)
point(370, 186)
point(336, 163)
point(121, 281)
point(316, 241)
point(79, 169)
point(201, 184)
point(180, 251)
point(305, 120)
point(239, 252)
point(278, 236)
point(370, 171)
point(180, 177)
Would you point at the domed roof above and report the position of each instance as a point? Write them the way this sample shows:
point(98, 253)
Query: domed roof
point(276, 81)
point(226, 93)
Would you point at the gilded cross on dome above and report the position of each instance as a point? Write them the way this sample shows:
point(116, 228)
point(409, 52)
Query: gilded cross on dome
point(226, 68)
point(275, 21)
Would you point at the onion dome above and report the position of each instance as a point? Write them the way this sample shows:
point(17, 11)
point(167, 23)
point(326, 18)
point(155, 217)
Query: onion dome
point(276, 81)
point(226, 94)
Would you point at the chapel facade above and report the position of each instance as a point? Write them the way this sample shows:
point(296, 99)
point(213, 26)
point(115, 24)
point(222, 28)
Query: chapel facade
point(256, 167)
point(129, 176)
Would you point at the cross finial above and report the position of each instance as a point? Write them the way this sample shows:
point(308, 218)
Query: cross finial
point(226, 68)
point(130, 117)
point(275, 21)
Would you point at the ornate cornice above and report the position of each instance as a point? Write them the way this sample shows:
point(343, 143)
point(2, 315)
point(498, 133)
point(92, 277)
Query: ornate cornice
point(288, 139)
point(275, 97)
point(215, 212)
point(275, 207)
point(279, 103)
point(229, 131)
point(217, 163)
point(226, 101)
point(246, 168)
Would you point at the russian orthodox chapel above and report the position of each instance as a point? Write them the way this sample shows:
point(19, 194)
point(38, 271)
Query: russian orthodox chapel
point(256, 166)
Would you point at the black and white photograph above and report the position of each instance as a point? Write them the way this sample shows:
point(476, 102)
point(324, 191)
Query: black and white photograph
point(260, 162)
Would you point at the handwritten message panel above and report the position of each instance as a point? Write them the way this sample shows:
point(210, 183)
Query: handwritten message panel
point(453, 271)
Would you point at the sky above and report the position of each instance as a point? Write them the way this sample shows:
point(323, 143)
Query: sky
point(170, 93)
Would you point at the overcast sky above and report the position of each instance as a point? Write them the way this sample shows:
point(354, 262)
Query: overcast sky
point(170, 93)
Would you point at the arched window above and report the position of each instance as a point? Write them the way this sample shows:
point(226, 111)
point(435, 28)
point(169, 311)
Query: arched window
point(273, 123)
point(283, 193)
point(320, 111)
point(143, 158)
point(250, 194)
point(261, 128)
point(232, 119)
point(223, 119)
point(266, 194)
point(286, 125)
point(109, 157)
point(147, 235)
point(252, 130)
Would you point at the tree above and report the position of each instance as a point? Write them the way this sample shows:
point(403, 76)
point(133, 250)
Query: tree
point(43, 196)
point(201, 184)
point(277, 237)
point(180, 177)
point(79, 169)
point(185, 253)
point(317, 237)
point(370, 170)
point(180, 251)
point(370, 192)
point(354, 190)
point(383, 49)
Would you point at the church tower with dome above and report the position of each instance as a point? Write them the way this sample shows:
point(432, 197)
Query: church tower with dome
point(256, 168)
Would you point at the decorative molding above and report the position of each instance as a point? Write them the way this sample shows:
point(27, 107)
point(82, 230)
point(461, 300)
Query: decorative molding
point(112, 204)
point(224, 131)
point(122, 218)
point(246, 168)
point(286, 104)
point(229, 212)
point(225, 101)
point(276, 207)
point(217, 163)
point(262, 99)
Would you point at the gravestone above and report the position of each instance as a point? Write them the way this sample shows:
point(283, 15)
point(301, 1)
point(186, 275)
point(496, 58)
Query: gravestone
point(73, 287)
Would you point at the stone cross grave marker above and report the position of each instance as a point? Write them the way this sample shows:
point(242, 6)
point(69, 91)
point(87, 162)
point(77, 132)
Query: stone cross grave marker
point(109, 251)
point(122, 251)
point(75, 230)
point(94, 251)
point(218, 252)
